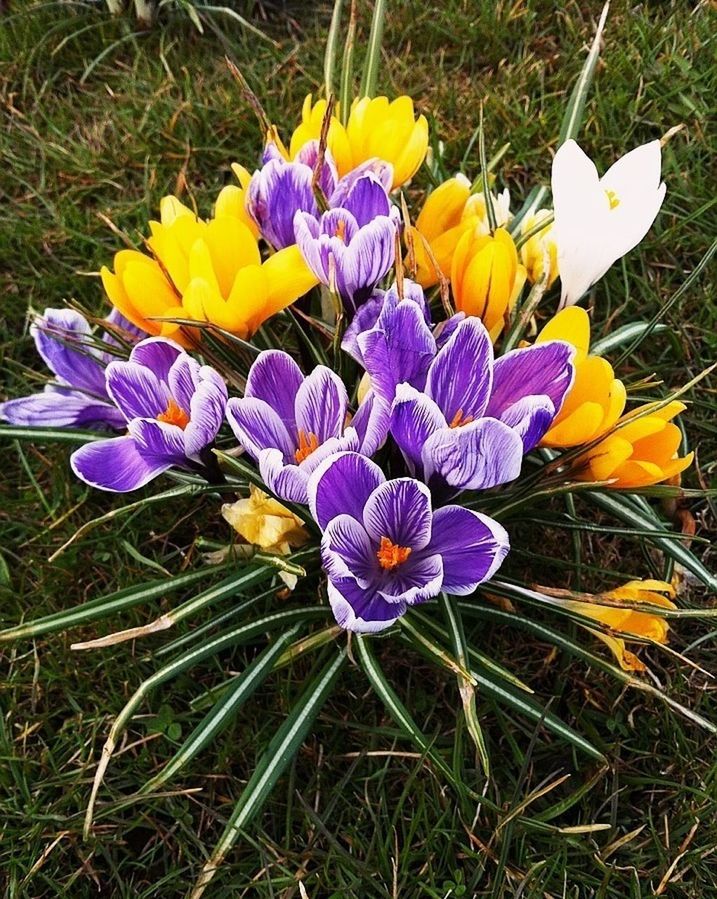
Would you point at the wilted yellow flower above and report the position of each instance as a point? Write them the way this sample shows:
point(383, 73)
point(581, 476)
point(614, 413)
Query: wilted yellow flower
point(639, 624)
point(540, 248)
point(597, 398)
point(642, 451)
point(264, 522)
point(486, 277)
point(205, 271)
point(376, 128)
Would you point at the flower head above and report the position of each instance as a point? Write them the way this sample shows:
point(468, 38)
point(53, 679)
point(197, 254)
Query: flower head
point(352, 247)
point(598, 220)
point(173, 408)
point(385, 548)
point(643, 450)
point(205, 271)
point(289, 423)
point(264, 522)
point(539, 253)
point(77, 397)
point(376, 129)
point(597, 398)
point(486, 277)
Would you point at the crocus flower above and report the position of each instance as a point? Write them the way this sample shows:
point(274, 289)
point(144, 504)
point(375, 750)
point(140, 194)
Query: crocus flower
point(641, 451)
point(351, 248)
point(598, 220)
point(539, 252)
point(206, 271)
point(173, 408)
point(486, 277)
point(376, 128)
point(280, 189)
point(597, 398)
point(641, 625)
point(289, 423)
point(262, 521)
point(470, 426)
point(77, 397)
point(385, 548)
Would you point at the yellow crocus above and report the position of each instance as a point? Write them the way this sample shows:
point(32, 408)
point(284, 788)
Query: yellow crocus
point(540, 248)
point(640, 452)
point(376, 128)
point(641, 625)
point(486, 277)
point(264, 522)
point(597, 398)
point(206, 271)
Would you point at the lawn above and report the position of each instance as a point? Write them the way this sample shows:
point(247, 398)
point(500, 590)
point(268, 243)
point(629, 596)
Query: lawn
point(99, 122)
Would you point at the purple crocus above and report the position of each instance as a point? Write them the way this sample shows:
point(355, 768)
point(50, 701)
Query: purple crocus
point(280, 189)
point(385, 548)
point(351, 247)
point(289, 423)
point(470, 424)
point(78, 396)
point(172, 407)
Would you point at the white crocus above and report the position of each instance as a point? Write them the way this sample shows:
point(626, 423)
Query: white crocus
point(598, 220)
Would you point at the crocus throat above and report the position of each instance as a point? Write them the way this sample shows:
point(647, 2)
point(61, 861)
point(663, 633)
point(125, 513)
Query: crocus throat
point(307, 444)
point(612, 198)
point(390, 555)
point(174, 415)
point(459, 420)
point(341, 231)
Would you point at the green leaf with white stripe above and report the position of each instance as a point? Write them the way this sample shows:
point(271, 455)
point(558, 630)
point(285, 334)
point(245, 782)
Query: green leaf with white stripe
point(576, 105)
point(373, 51)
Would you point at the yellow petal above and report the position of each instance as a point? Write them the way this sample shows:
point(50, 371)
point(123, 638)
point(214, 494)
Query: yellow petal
point(571, 324)
point(443, 208)
point(289, 278)
point(170, 208)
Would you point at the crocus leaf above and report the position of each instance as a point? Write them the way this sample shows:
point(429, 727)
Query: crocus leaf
point(373, 51)
point(572, 119)
point(332, 40)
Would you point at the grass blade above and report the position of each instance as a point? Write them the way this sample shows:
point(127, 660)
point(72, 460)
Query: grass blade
point(224, 709)
point(278, 755)
point(332, 40)
point(576, 105)
point(347, 68)
point(373, 51)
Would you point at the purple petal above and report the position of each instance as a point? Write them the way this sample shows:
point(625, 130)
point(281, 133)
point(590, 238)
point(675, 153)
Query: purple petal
point(416, 581)
point(445, 330)
point(61, 408)
point(414, 418)
point(371, 423)
point(399, 349)
point(472, 546)
point(401, 511)
point(381, 171)
point(115, 465)
point(158, 441)
point(287, 481)
point(276, 378)
point(182, 379)
point(347, 551)
point(545, 369)
point(207, 409)
point(530, 418)
point(321, 404)
point(367, 199)
point(460, 377)
point(361, 611)
point(328, 178)
point(477, 456)
point(368, 257)
point(129, 331)
point(257, 427)
point(306, 234)
point(366, 318)
point(158, 354)
point(348, 442)
point(342, 485)
point(63, 339)
point(136, 389)
point(275, 194)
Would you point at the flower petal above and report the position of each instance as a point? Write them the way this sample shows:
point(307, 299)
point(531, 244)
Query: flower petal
point(182, 379)
point(346, 551)
point(401, 511)
point(158, 440)
point(414, 417)
point(341, 485)
point(257, 427)
point(289, 482)
point(530, 418)
point(371, 423)
point(115, 465)
point(460, 377)
point(417, 580)
point(136, 389)
point(275, 378)
point(321, 404)
point(472, 546)
point(158, 354)
point(361, 611)
point(61, 407)
point(544, 369)
point(207, 409)
point(63, 339)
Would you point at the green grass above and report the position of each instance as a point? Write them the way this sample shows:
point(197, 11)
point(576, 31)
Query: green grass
point(99, 123)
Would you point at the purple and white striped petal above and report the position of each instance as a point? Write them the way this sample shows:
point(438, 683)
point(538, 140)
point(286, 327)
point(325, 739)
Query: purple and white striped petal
point(341, 485)
point(157, 440)
point(417, 580)
point(471, 545)
point(275, 194)
point(371, 423)
point(183, 379)
point(206, 412)
point(61, 407)
point(368, 257)
point(460, 377)
point(400, 510)
point(346, 551)
point(379, 169)
point(157, 354)
point(287, 481)
point(361, 611)
point(136, 390)
point(275, 378)
point(321, 404)
point(257, 427)
point(63, 339)
point(530, 418)
point(367, 199)
point(477, 456)
point(545, 369)
point(414, 418)
point(116, 465)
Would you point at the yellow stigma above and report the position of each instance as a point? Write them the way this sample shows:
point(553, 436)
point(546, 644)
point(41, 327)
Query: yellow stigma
point(459, 420)
point(390, 555)
point(307, 444)
point(612, 198)
point(174, 415)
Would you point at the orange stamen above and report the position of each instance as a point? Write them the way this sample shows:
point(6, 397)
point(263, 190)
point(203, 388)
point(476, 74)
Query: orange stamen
point(612, 198)
point(459, 420)
point(341, 230)
point(390, 555)
point(307, 444)
point(174, 415)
